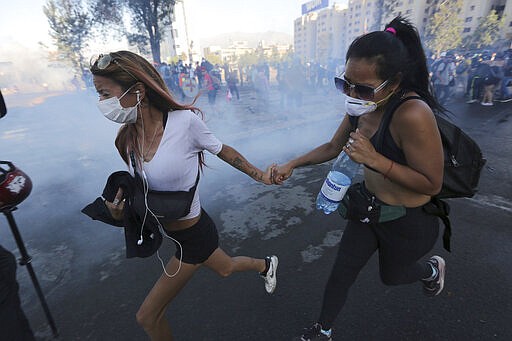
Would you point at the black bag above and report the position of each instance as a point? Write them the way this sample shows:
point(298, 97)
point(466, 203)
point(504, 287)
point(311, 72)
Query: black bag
point(165, 206)
point(360, 205)
point(463, 161)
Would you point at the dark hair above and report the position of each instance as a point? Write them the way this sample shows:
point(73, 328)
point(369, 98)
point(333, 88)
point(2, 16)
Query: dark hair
point(397, 51)
point(126, 69)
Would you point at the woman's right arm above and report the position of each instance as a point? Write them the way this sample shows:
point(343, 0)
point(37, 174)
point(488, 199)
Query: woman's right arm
point(320, 154)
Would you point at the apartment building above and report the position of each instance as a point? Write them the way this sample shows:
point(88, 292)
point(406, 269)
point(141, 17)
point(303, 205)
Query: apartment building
point(320, 36)
point(315, 31)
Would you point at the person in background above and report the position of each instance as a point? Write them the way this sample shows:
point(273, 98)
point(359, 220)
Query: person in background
point(478, 72)
point(211, 85)
point(232, 81)
point(165, 140)
point(385, 71)
point(14, 325)
point(444, 73)
point(492, 79)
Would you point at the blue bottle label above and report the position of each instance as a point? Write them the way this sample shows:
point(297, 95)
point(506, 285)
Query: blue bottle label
point(333, 191)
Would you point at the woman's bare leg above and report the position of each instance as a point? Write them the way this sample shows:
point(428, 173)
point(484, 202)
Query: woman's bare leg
point(225, 265)
point(151, 314)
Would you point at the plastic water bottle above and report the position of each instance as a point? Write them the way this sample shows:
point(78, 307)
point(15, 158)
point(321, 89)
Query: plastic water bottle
point(336, 184)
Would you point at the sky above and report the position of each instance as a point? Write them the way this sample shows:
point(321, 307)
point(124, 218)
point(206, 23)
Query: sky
point(24, 22)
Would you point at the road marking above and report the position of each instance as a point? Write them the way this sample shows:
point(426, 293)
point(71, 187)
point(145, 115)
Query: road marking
point(492, 201)
point(312, 253)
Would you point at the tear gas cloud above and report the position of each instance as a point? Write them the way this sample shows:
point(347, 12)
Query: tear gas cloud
point(61, 140)
point(30, 70)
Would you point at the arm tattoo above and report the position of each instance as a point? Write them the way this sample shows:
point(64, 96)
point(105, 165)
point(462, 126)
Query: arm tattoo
point(242, 165)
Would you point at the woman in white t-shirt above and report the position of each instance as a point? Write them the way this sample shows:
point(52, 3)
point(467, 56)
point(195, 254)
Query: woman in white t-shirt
point(168, 140)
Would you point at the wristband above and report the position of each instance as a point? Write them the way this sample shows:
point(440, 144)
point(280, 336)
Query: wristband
point(385, 175)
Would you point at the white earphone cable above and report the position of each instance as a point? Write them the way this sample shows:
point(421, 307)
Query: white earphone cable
point(145, 187)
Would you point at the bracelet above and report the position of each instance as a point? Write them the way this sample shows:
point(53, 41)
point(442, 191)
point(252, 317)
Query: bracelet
point(385, 175)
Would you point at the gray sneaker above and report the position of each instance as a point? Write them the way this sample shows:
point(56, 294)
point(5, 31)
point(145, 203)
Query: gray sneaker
point(434, 286)
point(270, 276)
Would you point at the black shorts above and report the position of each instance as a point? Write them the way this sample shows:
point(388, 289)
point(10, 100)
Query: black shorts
point(197, 242)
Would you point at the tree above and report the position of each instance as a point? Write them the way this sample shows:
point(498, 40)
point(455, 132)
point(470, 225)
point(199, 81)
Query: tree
point(445, 26)
point(487, 32)
point(149, 20)
point(249, 58)
point(213, 58)
point(70, 27)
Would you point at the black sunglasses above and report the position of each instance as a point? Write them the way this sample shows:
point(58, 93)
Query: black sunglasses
point(364, 92)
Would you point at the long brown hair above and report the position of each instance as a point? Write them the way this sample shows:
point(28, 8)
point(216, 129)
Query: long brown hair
point(126, 69)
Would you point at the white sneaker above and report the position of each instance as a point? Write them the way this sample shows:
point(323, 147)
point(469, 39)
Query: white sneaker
point(270, 276)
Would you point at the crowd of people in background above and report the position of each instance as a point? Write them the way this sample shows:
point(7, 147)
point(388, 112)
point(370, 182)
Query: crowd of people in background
point(481, 76)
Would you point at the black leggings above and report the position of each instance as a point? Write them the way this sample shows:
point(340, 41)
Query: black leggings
point(401, 243)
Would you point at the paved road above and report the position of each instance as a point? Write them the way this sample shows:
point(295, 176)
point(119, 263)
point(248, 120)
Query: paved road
point(93, 291)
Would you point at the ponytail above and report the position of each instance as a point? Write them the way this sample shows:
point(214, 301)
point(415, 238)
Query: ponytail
point(416, 76)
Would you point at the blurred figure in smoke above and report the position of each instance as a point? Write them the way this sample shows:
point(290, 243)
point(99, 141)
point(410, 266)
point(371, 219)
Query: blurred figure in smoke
point(262, 89)
point(13, 323)
point(385, 72)
point(444, 76)
point(211, 85)
point(232, 81)
point(295, 79)
point(166, 140)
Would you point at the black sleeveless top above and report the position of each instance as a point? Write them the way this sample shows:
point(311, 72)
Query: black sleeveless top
point(388, 147)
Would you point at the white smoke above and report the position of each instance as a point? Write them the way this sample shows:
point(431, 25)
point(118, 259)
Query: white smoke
point(29, 70)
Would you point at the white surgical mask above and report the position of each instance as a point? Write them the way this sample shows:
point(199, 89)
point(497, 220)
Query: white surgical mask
point(358, 107)
point(114, 111)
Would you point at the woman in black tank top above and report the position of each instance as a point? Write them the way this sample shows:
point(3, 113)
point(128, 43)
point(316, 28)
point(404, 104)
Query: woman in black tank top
point(402, 151)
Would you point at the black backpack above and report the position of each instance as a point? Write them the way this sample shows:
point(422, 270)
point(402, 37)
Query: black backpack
point(463, 162)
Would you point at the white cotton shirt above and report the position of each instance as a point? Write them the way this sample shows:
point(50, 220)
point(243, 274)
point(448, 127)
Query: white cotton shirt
point(175, 164)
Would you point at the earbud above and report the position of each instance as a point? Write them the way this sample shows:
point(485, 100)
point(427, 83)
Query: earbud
point(139, 242)
point(137, 92)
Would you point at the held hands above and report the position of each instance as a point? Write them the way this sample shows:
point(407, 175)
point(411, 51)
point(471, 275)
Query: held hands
point(267, 175)
point(116, 207)
point(281, 173)
point(359, 148)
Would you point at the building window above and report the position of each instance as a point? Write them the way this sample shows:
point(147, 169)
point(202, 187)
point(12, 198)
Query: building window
point(469, 19)
point(467, 29)
point(472, 8)
point(408, 11)
point(510, 25)
point(411, 1)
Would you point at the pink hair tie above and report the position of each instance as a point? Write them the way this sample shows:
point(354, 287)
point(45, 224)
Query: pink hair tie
point(391, 30)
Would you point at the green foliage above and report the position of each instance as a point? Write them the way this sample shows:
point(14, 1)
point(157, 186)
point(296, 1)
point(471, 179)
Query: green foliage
point(249, 58)
point(445, 26)
point(149, 20)
point(487, 32)
point(213, 58)
point(70, 27)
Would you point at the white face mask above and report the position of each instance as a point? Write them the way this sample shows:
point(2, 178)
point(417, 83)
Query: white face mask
point(358, 107)
point(114, 111)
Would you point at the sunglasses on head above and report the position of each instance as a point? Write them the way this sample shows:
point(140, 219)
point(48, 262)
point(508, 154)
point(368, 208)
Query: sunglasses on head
point(102, 61)
point(364, 92)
